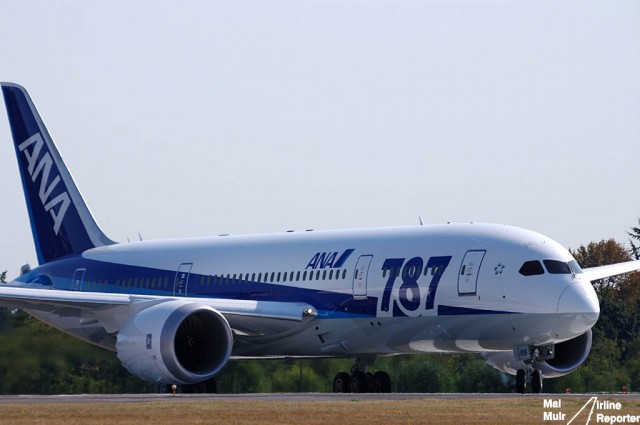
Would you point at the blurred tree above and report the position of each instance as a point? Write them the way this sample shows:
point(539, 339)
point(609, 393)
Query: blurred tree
point(38, 359)
point(600, 254)
point(635, 235)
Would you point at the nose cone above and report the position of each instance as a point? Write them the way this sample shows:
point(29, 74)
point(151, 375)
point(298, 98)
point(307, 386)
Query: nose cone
point(578, 308)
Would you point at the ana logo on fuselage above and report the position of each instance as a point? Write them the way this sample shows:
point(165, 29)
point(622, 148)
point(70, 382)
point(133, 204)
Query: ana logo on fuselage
point(42, 167)
point(329, 260)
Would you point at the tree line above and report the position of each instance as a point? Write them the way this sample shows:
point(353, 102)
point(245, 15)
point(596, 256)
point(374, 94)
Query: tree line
point(38, 359)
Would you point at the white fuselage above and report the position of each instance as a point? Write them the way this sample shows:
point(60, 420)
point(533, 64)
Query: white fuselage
point(437, 288)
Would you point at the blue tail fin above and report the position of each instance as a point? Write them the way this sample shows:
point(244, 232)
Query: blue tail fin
point(60, 220)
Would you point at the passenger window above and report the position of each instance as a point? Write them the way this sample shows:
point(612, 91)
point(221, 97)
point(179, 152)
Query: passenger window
point(557, 267)
point(531, 268)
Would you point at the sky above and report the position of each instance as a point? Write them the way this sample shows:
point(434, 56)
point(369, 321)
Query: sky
point(183, 119)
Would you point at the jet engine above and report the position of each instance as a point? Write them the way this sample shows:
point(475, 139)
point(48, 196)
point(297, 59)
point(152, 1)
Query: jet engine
point(568, 355)
point(175, 342)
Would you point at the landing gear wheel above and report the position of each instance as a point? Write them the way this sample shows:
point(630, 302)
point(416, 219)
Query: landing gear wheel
point(359, 382)
point(341, 383)
point(536, 381)
point(521, 381)
point(383, 382)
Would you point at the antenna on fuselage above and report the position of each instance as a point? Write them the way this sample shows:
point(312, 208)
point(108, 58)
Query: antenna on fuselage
point(420, 220)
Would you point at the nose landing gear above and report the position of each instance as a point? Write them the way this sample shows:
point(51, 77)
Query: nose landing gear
point(530, 355)
point(530, 375)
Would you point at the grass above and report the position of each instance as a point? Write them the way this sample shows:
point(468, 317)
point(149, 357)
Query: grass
point(509, 410)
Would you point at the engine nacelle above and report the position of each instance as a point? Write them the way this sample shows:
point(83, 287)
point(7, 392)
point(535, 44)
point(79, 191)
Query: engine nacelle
point(567, 357)
point(175, 342)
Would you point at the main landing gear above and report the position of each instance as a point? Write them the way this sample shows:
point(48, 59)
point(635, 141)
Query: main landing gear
point(530, 355)
point(360, 380)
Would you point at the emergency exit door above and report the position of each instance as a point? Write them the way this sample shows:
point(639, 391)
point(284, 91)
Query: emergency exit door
point(360, 276)
point(469, 271)
point(78, 277)
point(182, 280)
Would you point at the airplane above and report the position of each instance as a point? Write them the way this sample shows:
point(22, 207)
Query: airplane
point(175, 311)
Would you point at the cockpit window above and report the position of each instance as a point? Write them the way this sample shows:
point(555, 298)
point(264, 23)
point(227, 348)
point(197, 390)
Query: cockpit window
point(531, 268)
point(557, 267)
point(575, 267)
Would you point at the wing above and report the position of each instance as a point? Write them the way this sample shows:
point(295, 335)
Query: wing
point(595, 273)
point(112, 311)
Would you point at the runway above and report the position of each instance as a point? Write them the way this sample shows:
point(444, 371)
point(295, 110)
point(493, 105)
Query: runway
point(280, 397)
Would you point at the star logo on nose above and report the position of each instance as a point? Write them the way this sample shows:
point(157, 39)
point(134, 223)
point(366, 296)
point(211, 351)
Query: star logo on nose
point(497, 270)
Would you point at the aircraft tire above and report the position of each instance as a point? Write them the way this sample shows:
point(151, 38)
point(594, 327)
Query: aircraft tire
point(536, 381)
point(342, 383)
point(359, 382)
point(521, 381)
point(383, 381)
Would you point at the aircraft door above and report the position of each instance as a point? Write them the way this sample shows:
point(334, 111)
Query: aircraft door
point(469, 270)
point(78, 277)
point(182, 280)
point(360, 276)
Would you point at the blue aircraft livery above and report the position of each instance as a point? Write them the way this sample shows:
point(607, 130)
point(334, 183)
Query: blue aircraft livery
point(176, 311)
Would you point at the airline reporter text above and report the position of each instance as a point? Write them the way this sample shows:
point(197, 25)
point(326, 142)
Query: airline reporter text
point(617, 419)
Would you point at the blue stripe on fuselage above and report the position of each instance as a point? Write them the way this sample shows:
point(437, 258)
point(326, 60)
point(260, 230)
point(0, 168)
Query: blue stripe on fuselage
point(120, 278)
point(447, 310)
